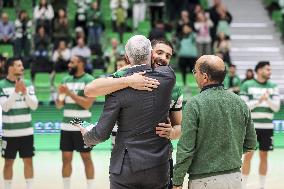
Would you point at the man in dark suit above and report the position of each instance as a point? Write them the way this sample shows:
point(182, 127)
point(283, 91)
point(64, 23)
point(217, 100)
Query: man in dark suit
point(140, 157)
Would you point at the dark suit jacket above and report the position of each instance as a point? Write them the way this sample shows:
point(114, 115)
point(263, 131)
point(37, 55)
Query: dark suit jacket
point(137, 114)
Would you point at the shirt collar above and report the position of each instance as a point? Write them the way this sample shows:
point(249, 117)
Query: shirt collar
point(211, 86)
point(138, 68)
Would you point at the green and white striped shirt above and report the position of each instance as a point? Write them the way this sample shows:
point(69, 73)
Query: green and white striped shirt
point(16, 109)
point(71, 109)
point(262, 113)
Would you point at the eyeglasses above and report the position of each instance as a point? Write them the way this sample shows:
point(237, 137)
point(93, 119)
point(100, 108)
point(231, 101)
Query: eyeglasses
point(194, 71)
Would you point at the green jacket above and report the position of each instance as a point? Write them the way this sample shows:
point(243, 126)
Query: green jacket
point(216, 130)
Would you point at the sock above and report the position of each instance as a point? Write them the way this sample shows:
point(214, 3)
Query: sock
point(29, 183)
point(7, 184)
point(66, 182)
point(262, 179)
point(90, 183)
point(244, 181)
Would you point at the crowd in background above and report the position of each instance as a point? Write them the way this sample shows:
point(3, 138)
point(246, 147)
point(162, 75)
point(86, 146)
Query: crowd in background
point(47, 41)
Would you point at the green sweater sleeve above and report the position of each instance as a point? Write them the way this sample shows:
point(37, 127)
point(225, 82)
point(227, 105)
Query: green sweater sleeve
point(250, 136)
point(186, 144)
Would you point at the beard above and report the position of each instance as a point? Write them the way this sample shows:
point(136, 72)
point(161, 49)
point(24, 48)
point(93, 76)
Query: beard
point(159, 62)
point(72, 71)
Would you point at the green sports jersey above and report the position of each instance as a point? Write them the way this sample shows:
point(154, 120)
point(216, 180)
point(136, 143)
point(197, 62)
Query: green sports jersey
point(16, 122)
point(262, 113)
point(71, 109)
point(177, 96)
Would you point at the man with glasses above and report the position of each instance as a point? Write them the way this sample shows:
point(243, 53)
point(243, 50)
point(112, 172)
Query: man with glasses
point(217, 129)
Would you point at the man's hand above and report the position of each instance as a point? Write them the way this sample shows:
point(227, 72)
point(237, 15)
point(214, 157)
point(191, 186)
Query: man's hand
point(140, 82)
point(164, 129)
point(264, 97)
point(23, 87)
point(20, 87)
point(63, 89)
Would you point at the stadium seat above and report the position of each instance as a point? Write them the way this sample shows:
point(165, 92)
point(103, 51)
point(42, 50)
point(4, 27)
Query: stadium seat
point(6, 50)
point(59, 78)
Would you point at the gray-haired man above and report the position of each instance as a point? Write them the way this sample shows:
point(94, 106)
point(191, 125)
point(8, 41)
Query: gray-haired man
point(139, 154)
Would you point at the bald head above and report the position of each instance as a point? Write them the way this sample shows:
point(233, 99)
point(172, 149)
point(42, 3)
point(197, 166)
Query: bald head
point(213, 66)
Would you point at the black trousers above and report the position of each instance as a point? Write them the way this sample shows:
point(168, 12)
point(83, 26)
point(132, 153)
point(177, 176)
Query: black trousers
point(186, 64)
point(154, 178)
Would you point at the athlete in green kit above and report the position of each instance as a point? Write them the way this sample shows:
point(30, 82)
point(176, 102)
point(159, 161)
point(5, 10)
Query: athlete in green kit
point(74, 103)
point(263, 99)
point(17, 99)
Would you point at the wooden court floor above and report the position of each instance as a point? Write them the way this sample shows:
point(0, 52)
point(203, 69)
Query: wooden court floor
point(47, 166)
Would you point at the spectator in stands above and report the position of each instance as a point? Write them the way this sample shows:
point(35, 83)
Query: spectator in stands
point(174, 8)
point(158, 32)
point(60, 59)
point(41, 61)
point(118, 11)
point(81, 13)
point(58, 4)
point(82, 50)
point(138, 12)
point(61, 28)
point(10, 4)
point(79, 33)
point(232, 81)
point(224, 21)
point(203, 38)
point(197, 9)
point(187, 51)
point(156, 11)
point(184, 19)
point(43, 15)
point(41, 43)
point(112, 54)
point(215, 17)
point(23, 35)
point(249, 75)
point(7, 29)
point(95, 24)
point(223, 45)
point(2, 67)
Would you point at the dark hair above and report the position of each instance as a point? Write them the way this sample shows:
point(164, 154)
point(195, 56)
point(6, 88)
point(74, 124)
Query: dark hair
point(249, 70)
point(261, 64)
point(22, 12)
point(213, 74)
point(10, 62)
point(154, 42)
point(233, 65)
point(81, 59)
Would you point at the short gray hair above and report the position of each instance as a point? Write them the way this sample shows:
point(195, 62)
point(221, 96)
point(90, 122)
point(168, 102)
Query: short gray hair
point(138, 50)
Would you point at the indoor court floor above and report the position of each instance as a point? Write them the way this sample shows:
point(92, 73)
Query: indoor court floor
point(47, 169)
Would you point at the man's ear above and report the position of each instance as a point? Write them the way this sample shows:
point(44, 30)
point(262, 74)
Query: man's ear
point(206, 77)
